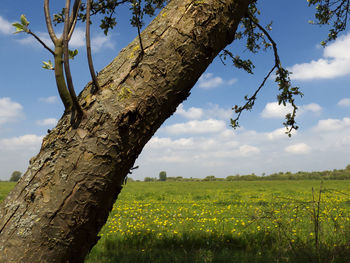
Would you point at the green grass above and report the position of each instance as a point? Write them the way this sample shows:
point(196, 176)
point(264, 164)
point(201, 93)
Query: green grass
point(261, 221)
point(5, 188)
point(244, 221)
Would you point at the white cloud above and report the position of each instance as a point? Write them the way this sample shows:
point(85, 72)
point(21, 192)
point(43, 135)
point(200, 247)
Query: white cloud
point(29, 40)
point(213, 111)
point(29, 141)
point(49, 100)
point(15, 153)
point(313, 107)
point(201, 150)
point(332, 124)
point(335, 62)
point(300, 148)
point(98, 41)
point(279, 134)
point(191, 113)
point(196, 127)
point(244, 151)
point(248, 150)
point(9, 110)
point(6, 27)
point(47, 122)
point(160, 143)
point(232, 81)
point(209, 81)
point(273, 110)
point(101, 41)
point(78, 38)
point(344, 102)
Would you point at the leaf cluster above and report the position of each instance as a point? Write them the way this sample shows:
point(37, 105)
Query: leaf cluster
point(333, 13)
point(258, 38)
point(107, 9)
point(22, 26)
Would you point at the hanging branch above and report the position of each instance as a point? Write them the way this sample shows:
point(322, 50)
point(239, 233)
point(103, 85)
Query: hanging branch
point(331, 12)
point(88, 48)
point(282, 78)
point(77, 112)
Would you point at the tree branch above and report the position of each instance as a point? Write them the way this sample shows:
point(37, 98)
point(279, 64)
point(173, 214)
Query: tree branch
point(41, 42)
point(77, 112)
point(74, 13)
point(73, 18)
point(88, 47)
point(284, 84)
point(138, 23)
point(48, 21)
point(136, 20)
point(287, 92)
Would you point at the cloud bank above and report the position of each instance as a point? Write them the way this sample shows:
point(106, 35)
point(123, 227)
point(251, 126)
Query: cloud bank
point(10, 111)
point(209, 81)
point(6, 27)
point(334, 63)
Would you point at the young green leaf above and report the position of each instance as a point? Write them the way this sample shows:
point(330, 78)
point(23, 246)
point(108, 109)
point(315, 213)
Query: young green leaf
point(23, 26)
point(19, 28)
point(48, 65)
point(72, 53)
point(24, 21)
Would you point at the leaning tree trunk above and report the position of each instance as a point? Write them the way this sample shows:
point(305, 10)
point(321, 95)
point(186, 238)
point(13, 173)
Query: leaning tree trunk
point(57, 209)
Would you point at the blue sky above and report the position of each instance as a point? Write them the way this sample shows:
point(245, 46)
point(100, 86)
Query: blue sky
point(196, 141)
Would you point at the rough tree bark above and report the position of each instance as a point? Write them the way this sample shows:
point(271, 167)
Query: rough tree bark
point(57, 209)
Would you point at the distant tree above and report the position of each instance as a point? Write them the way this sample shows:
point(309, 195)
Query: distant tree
point(210, 178)
point(130, 179)
point(15, 176)
point(162, 176)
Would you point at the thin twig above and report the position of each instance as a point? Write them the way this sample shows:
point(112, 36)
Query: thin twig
point(73, 18)
point(250, 101)
point(253, 97)
point(41, 42)
point(77, 112)
point(274, 45)
point(88, 47)
point(74, 13)
point(138, 24)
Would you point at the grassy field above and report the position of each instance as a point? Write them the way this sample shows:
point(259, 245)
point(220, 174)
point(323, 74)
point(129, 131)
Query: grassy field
point(5, 187)
point(262, 221)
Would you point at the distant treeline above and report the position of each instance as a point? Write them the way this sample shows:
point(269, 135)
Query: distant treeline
point(342, 174)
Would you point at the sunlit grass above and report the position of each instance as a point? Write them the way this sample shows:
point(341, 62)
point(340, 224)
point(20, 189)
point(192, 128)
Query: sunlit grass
point(264, 221)
point(232, 222)
point(5, 188)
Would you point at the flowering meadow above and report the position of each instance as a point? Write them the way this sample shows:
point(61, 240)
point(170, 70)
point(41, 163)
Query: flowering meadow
point(256, 221)
point(220, 221)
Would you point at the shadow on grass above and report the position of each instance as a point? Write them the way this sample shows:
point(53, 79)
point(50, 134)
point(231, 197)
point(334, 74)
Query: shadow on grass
point(259, 248)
